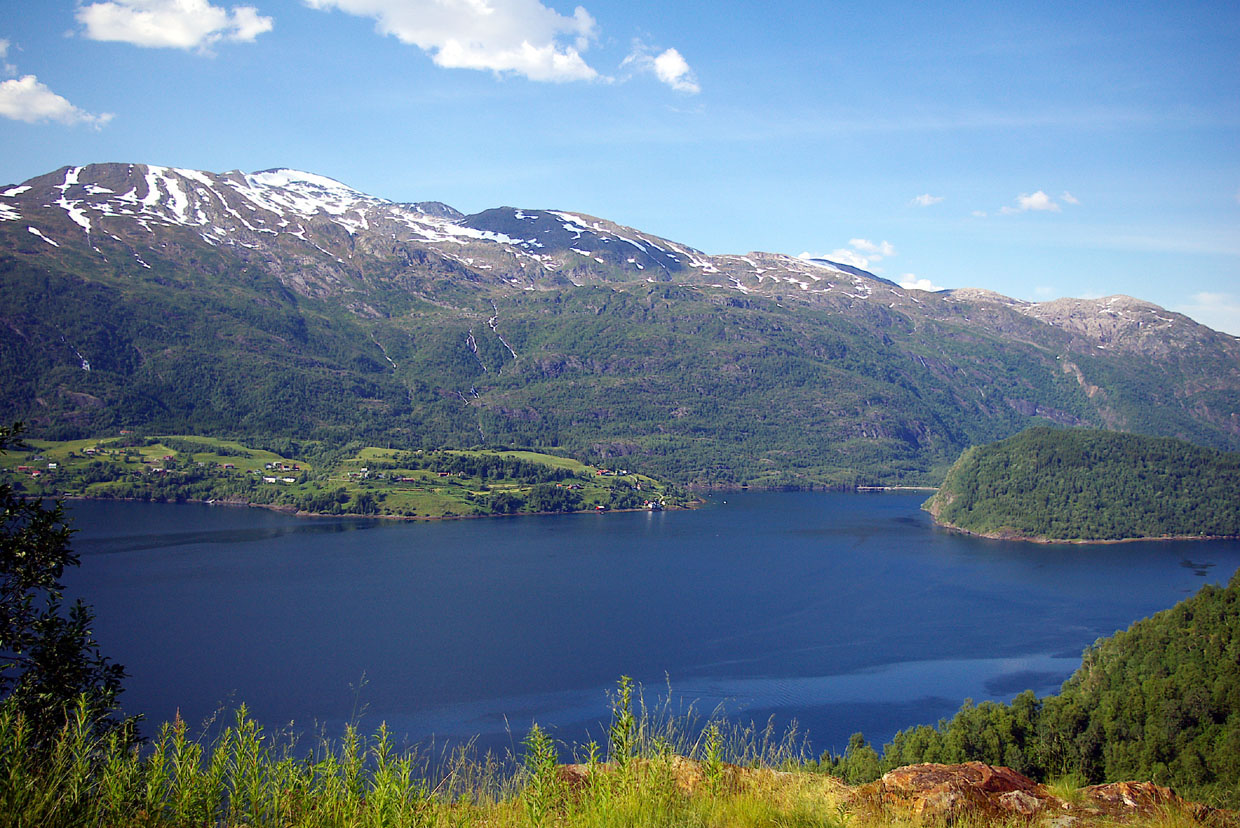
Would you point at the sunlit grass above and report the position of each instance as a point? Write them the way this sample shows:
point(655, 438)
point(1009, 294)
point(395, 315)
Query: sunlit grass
point(658, 769)
point(1067, 788)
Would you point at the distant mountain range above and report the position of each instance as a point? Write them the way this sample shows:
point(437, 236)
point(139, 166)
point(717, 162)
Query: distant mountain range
point(283, 305)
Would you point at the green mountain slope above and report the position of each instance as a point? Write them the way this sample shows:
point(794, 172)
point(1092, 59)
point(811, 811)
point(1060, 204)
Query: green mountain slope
point(285, 305)
point(1057, 484)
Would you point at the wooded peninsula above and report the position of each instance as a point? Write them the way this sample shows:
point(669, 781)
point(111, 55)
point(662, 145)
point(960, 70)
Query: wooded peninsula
point(1076, 485)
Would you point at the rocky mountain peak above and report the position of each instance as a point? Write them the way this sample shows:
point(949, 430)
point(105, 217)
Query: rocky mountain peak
point(983, 295)
point(1122, 322)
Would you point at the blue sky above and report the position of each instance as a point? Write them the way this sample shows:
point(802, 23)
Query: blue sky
point(1063, 149)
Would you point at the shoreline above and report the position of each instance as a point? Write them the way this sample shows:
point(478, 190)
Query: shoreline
point(293, 511)
point(697, 502)
point(808, 487)
point(1013, 536)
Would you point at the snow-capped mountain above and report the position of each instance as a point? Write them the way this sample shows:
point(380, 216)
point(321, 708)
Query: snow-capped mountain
point(317, 235)
point(286, 302)
point(331, 223)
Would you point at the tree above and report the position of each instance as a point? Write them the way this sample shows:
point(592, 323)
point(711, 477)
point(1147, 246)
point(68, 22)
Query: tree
point(858, 763)
point(49, 658)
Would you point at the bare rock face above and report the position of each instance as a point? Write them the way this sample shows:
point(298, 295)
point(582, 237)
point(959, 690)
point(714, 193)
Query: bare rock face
point(1123, 323)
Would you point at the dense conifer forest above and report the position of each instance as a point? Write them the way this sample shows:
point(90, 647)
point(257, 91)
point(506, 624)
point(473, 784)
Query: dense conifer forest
point(1075, 484)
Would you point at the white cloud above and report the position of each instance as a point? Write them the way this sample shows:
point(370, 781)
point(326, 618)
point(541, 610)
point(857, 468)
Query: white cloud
point(927, 200)
point(874, 251)
point(523, 37)
point(669, 66)
point(849, 257)
point(910, 281)
point(861, 253)
point(25, 99)
point(1068, 198)
point(9, 69)
point(1220, 311)
point(1037, 202)
point(171, 24)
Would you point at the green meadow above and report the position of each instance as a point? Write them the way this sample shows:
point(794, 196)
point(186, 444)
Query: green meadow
point(308, 477)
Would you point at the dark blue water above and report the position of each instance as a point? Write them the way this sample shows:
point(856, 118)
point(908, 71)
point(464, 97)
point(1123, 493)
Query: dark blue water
point(845, 612)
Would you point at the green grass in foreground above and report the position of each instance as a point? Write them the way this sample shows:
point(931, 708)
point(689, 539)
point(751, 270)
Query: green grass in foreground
point(245, 776)
point(657, 770)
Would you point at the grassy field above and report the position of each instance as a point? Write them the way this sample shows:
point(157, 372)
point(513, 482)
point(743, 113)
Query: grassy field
point(367, 480)
point(72, 453)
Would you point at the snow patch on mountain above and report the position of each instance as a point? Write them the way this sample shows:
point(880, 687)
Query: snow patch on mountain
point(305, 194)
point(37, 232)
point(572, 223)
point(73, 208)
point(298, 179)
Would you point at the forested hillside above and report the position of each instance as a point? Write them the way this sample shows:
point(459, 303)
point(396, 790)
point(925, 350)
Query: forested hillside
point(1158, 701)
point(283, 305)
point(1079, 484)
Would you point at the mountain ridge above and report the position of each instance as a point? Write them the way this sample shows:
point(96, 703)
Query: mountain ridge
point(275, 302)
point(297, 190)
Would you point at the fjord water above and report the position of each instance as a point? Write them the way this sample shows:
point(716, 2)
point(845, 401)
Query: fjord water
point(844, 612)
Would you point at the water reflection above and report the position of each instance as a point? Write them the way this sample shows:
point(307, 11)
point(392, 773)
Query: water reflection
point(160, 540)
point(1199, 569)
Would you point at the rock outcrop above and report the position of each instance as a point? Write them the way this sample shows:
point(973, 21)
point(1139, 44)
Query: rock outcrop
point(950, 792)
point(973, 791)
